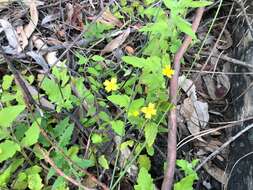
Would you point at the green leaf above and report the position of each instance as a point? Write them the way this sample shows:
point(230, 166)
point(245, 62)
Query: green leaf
point(144, 181)
point(5, 176)
point(66, 136)
point(59, 184)
point(9, 114)
point(97, 58)
point(21, 182)
point(186, 183)
point(170, 4)
point(186, 166)
point(120, 100)
point(184, 26)
point(118, 127)
point(103, 162)
point(136, 105)
point(195, 4)
point(7, 80)
point(35, 182)
point(32, 134)
point(96, 138)
point(125, 144)
point(8, 149)
point(82, 60)
point(134, 61)
point(144, 162)
point(150, 132)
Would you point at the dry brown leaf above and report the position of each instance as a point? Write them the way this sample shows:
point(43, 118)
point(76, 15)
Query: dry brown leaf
point(34, 16)
point(129, 50)
point(115, 43)
point(74, 16)
point(22, 38)
point(217, 173)
point(108, 18)
point(195, 114)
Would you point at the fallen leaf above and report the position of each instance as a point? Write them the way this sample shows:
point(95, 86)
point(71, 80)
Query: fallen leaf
point(34, 17)
point(188, 86)
point(22, 38)
point(195, 114)
point(108, 18)
point(115, 43)
point(12, 37)
point(217, 173)
point(129, 50)
point(74, 16)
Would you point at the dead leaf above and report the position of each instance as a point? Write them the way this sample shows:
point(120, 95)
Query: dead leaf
point(74, 16)
point(108, 18)
point(217, 173)
point(34, 17)
point(129, 50)
point(195, 114)
point(217, 86)
point(188, 86)
point(22, 38)
point(12, 37)
point(115, 43)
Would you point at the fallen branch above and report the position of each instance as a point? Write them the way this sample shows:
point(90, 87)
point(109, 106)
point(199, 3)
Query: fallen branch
point(172, 121)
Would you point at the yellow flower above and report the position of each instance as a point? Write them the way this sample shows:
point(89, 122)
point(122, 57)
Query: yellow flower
point(149, 111)
point(167, 71)
point(111, 85)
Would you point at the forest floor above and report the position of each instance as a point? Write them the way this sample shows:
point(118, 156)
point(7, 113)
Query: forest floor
point(118, 94)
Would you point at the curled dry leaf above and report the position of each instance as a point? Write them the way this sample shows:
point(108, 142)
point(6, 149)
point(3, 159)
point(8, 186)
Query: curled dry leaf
point(74, 16)
point(217, 89)
point(34, 16)
point(115, 43)
point(108, 18)
point(194, 112)
point(12, 37)
point(217, 173)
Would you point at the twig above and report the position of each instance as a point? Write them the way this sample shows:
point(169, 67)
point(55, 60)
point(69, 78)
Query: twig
point(61, 173)
point(172, 121)
point(224, 146)
point(245, 15)
point(229, 59)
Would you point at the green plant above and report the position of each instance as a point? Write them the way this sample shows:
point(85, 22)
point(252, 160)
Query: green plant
point(112, 102)
point(186, 183)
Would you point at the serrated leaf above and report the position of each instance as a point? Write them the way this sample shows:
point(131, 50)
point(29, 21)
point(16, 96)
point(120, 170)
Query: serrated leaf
point(186, 183)
point(5, 176)
point(125, 144)
point(144, 181)
point(150, 132)
point(184, 26)
point(7, 80)
point(66, 136)
point(118, 127)
point(35, 182)
point(120, 100)
point(134, 61)
point(195, 4)
point(32, 134)
point(97, 58)
point(8, 149)
point(96, 138)
point(9, 114)
point(21, 182)
point(144, 162)
point(187, 167)
point(103, 162)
